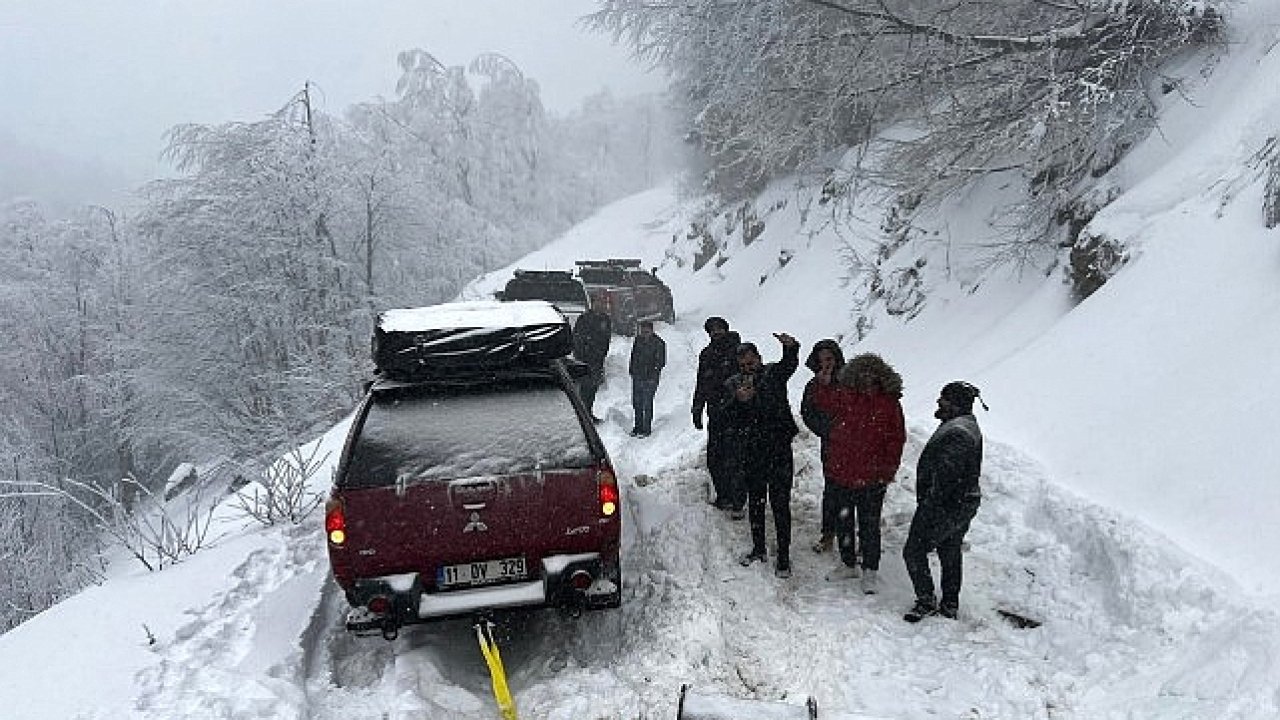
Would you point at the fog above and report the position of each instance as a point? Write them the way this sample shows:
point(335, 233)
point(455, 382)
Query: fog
point(87, 90)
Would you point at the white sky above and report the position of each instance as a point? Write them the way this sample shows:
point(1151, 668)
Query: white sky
point(105, 79)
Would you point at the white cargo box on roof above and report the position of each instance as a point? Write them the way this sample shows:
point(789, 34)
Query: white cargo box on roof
point(478, 335)
point(470, 314)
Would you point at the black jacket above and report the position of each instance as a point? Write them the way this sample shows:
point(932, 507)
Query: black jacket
point(949, 466)
point(767, 415)
point(648, 357)
point(591, 336)
point(716, 363)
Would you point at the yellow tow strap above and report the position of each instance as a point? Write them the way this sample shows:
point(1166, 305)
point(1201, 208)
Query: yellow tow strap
point(489, 648)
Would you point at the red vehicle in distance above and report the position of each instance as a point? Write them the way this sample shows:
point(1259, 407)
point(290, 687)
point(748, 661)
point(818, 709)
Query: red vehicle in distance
point(626, 292)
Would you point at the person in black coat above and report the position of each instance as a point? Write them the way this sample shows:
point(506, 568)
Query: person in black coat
point(947, 499)
point(758, 415)
point(825, 360)
point(648, 357)
point(591, 335)
point(716, 363)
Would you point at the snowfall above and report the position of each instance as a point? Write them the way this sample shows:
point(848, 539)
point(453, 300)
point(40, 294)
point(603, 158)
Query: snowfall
point(1131, 502)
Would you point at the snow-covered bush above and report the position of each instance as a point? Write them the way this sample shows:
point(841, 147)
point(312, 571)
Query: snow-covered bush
point(283, 493)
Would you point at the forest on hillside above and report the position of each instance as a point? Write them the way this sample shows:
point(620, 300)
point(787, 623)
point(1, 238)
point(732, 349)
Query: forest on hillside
point(228, 314)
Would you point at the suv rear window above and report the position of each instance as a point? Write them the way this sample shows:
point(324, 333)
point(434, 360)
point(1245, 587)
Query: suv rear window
point(447, 432)
point(550, 291)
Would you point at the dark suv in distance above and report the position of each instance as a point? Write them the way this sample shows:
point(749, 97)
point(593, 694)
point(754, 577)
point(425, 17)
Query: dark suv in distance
point(558, 287)
point(473, 485)
point(626, 292)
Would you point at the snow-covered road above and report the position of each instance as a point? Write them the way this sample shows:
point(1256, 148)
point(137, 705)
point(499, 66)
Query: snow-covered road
point(1132, 627)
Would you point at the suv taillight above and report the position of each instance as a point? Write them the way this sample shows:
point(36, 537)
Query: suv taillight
point(335, 522)
point(608, 491)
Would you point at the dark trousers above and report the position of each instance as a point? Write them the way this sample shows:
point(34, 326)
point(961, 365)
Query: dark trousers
point(588, 385)
point(765, 468)
point(858, 514)
point(942, 530)
point(829, 508)
point(642, 392)
point(720, 465)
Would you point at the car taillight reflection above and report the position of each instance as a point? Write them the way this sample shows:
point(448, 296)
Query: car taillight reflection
point(335, 522)
point(608, 486)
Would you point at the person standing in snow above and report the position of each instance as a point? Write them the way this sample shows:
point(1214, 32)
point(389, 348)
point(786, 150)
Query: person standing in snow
point(825, 360)
point(758, 416)
point(716, 363)
point(947, 498)
point(591, 335)
point(648, 357)
point(866, 439)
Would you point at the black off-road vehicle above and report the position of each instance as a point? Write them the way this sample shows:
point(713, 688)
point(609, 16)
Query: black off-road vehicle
point(558, 287)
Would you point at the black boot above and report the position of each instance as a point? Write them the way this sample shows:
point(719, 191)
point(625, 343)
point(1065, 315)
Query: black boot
point(923, 608)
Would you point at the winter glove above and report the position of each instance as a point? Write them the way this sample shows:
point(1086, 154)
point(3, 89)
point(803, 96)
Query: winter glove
point(697, 419)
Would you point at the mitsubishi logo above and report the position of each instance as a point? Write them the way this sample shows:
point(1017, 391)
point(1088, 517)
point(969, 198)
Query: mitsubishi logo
point(475, 525)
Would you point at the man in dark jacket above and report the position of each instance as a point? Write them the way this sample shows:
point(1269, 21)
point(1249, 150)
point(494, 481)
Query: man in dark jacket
point(761, 426)
point(825, 360)
point(648, 357)
point(947, 498)
point(591, 335)
point(716, 363)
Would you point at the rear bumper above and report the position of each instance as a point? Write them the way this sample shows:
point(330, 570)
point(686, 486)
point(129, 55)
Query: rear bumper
point(412, 604)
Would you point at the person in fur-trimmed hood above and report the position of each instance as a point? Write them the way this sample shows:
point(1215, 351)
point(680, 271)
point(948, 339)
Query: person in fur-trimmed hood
point(865, 444)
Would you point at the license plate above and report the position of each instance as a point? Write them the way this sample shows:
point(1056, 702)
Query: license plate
point(481, 573)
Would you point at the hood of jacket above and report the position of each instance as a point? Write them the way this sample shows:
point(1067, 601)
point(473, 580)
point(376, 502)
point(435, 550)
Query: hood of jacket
point(880, 375)
point(811, 362)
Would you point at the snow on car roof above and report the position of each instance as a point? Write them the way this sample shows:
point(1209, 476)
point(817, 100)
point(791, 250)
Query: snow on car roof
point(470, 314)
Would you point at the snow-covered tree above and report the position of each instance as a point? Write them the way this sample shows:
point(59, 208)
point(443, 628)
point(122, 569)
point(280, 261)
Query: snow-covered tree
point(253, 307)
point(1056, 89)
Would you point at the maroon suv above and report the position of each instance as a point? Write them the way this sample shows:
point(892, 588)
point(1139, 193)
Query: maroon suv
point(473, 490)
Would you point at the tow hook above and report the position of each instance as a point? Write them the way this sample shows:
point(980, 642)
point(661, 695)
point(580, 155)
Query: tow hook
point(390, 630)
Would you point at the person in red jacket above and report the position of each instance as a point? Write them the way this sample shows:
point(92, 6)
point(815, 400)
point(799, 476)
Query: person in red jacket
point(865, 445)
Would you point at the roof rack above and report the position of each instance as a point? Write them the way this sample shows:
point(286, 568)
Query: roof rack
point(611, 262)
point(546, 274)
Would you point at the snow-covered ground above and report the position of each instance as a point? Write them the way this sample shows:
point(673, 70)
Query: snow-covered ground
point(1130, 501)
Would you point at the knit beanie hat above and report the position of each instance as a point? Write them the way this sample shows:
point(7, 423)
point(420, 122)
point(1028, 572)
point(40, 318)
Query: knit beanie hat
point(962, 394)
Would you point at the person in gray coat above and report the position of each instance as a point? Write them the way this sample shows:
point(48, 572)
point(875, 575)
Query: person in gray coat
point(648, 357)
point(947, 499)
